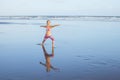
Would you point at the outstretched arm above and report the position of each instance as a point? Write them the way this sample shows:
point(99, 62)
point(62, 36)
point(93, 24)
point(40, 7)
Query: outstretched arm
point(54, 68)
point(55, 25)
point(43, 64)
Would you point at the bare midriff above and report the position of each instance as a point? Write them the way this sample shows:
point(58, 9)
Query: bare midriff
point(48, 32)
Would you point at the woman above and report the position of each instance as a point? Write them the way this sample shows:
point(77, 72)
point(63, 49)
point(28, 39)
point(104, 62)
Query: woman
point(48, 32)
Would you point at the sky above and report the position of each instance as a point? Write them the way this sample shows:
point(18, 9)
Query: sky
point(60, 7)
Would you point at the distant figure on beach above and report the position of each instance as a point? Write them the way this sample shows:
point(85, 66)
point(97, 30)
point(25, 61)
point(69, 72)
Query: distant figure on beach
point(48, 32)
point(47, 58)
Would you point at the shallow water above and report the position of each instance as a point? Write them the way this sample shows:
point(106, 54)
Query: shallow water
point(84, 50)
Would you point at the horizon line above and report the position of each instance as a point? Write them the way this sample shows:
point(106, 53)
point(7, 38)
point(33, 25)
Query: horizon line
point(61, 15)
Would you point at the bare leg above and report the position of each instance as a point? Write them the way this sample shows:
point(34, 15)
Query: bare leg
point(52, 50)
point(43, 41)
point(52, 44)
point(52, 38)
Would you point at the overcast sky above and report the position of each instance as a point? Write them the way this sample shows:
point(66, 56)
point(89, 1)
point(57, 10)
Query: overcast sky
point(60, 7)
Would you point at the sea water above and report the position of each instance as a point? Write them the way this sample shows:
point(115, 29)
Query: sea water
point(84, 50)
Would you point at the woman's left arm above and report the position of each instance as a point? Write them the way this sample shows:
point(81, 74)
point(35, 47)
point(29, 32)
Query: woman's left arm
point(55, 25)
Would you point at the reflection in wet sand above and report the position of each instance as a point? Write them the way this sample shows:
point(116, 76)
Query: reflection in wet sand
point(47, 58)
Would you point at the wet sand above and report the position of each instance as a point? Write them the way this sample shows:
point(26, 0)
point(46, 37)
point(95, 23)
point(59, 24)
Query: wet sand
point(84, 50)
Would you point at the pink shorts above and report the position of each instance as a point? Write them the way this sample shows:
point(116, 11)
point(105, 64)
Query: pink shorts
point(51, 37)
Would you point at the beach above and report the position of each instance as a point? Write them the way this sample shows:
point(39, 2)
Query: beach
point(84, 50)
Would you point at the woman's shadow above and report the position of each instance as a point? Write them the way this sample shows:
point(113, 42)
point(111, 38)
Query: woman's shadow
point(47, 58)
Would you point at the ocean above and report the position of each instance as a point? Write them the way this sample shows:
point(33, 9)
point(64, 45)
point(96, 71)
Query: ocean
point(86, 48)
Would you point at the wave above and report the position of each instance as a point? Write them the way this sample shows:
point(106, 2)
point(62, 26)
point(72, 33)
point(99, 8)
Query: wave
point(81, 18)
point(20, 23)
